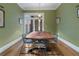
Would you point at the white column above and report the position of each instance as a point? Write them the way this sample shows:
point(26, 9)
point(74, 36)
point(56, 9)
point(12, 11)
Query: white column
point(29, 22)
point(33, 25)
point(42, 24)
point(39, 24)
point(28, 28)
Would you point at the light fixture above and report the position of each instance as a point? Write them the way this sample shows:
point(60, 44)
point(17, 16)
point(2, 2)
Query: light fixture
point(58, 19)
point(39, 6)
point(39, 15)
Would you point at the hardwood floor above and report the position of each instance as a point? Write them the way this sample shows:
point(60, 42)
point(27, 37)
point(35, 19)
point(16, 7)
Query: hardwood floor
point(66, 50)
point(58, 49)
point(53, 50)
point(13, 50)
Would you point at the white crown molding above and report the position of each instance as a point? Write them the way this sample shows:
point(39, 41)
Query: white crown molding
point(41, 8)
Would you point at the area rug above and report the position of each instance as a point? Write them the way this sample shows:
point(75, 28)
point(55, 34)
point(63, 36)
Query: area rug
point(53, 50)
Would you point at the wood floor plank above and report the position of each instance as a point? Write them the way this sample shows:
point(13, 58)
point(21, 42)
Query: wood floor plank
point(66, 50)
point(13, 50)
point(58, 49)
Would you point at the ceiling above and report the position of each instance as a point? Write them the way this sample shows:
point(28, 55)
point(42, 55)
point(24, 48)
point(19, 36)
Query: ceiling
point(39, 6)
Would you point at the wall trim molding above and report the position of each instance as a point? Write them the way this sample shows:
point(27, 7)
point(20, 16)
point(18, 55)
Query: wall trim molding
point(5, 47)
point(74, 47)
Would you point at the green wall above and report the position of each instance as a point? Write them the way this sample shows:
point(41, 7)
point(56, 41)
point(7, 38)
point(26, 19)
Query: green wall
point(12, 29)
point(68, 28)
point(50, 22)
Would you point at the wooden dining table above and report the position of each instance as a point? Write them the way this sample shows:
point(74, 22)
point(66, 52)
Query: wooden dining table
point(40, 35)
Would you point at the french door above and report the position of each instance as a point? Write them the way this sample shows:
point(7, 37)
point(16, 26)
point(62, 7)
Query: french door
point(35, 23)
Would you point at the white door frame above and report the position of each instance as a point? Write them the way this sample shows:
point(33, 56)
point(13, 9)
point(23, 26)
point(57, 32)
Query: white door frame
point(33, 21)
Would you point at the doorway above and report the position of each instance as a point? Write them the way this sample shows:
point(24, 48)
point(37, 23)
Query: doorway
point(33, 22)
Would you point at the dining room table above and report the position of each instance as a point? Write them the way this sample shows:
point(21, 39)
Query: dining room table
point(41, 36)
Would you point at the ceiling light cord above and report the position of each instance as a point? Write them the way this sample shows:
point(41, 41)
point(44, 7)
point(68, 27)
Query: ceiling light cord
point(39, 6)
point(39, 11)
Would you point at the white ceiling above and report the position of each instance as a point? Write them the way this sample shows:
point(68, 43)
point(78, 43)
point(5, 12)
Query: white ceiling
point(39, 6)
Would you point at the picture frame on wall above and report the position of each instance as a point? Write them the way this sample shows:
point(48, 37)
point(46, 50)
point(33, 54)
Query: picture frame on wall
point(78, 12)
point(77, 9)
point(2, 18)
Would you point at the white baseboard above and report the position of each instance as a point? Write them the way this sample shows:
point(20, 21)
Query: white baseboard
point(2, 49)
point(74, 47)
